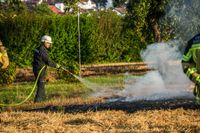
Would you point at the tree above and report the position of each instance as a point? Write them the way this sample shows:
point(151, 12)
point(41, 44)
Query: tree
point(144, 15)
point(118, 2)
point(101, 2)
point(156, 11)
point(16, 6)
point(71, 4)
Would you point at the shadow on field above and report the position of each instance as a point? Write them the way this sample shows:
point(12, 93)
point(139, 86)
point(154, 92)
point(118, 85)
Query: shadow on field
point(129, 107)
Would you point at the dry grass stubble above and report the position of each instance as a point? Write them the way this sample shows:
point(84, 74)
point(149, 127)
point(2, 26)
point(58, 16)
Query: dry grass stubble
point(178, 120)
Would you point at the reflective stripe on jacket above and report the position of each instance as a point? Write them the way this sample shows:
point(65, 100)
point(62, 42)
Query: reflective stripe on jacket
point(191, 54)
point(191, 63)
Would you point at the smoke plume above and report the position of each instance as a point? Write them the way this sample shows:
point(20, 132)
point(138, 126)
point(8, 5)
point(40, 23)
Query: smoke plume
point(183, 17)
point(167, 79)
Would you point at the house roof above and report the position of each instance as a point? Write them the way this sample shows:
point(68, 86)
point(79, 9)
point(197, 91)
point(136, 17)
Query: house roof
point(83, 0)
point(120, 10)
point(55, 9)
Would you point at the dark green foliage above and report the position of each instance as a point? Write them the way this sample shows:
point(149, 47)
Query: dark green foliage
point(132, 46)
point(71, 4)
point(143, 16)
point(7, 76)
point(136, 19)
point(72, 70)
point(104, 38)
point(43, 9)
point(118, 2)
point(13, 7)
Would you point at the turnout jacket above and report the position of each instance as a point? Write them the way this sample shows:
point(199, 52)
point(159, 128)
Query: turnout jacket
point(4, 60)
point(41, 58)
point(191, 59)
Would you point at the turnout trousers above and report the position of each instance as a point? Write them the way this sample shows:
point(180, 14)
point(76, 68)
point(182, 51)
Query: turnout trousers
point(40, 93)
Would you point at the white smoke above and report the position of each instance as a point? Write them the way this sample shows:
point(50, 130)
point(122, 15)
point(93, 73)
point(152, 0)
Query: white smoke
point(183, 16)
point(166, 81)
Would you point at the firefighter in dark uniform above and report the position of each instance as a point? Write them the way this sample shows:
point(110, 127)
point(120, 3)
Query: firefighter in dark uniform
point(40, 60)
point(191, 63)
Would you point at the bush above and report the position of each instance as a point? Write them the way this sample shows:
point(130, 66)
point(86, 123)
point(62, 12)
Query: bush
point(7, 76)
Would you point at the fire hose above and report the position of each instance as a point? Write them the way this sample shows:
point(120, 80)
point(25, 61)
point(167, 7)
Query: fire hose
point(17, 104)
point(33, 89)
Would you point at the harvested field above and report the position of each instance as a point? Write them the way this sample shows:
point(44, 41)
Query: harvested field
point(173, 115)
point(107, 114)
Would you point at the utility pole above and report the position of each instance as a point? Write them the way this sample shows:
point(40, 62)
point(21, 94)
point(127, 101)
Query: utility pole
point(79, 44)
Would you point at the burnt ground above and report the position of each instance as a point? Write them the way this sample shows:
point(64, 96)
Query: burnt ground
point(118, 103)
point(127, 106)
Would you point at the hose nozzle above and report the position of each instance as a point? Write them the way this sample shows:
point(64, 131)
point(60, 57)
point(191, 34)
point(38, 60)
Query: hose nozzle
point(64, 69)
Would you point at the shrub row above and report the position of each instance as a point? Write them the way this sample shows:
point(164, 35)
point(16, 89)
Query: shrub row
point(103, 38)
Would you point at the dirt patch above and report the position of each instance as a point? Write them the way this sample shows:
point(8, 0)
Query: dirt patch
point(114, 68)
point(26, 74)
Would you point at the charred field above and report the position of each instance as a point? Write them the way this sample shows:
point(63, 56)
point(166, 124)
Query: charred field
point(127, 106)
point(105, 115)
point(111, 114)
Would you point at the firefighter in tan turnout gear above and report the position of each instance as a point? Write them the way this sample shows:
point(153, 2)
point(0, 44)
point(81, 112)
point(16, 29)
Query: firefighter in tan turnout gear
point(191, 63)
point(40, 60)
point(4, 60)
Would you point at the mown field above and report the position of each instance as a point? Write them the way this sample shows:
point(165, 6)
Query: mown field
point(70, 108)
point(158, 120)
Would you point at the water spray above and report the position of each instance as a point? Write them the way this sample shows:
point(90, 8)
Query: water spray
point(64, 69)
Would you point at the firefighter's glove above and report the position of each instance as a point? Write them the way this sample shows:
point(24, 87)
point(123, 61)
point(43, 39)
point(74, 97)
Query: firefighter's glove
point(196, 92)
point(198, 79)
point(58, 66)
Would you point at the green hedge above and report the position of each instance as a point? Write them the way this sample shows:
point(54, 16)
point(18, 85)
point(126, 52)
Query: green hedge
point(103, 38)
